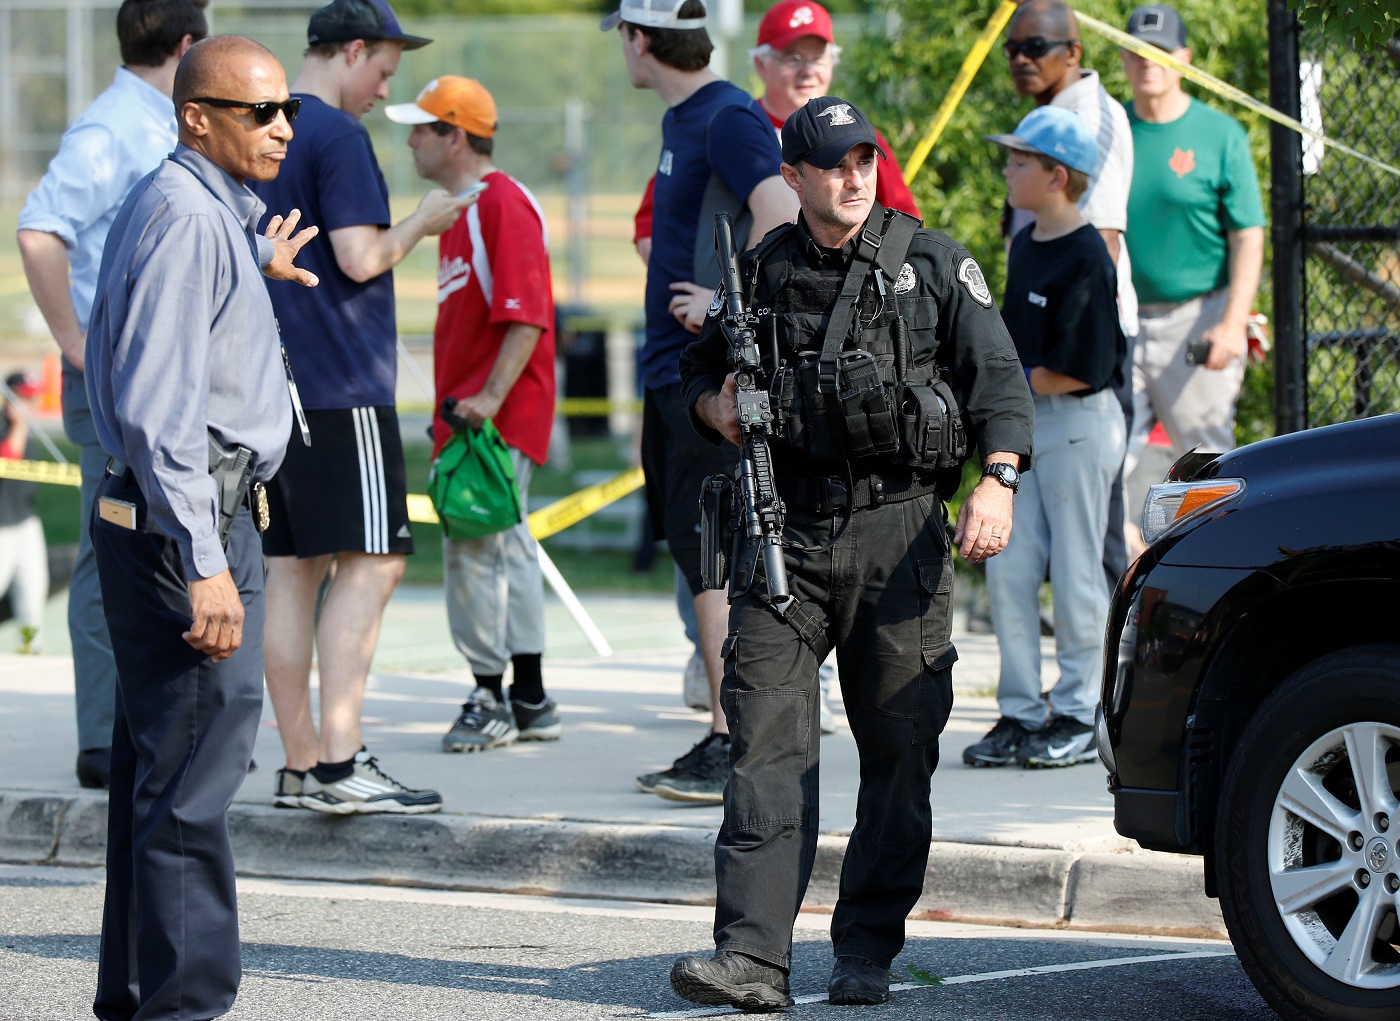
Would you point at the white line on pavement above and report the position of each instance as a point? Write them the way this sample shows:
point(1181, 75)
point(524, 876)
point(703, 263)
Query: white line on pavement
point(989, 976)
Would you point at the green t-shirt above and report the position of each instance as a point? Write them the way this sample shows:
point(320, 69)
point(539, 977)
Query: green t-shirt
point(1193, 180)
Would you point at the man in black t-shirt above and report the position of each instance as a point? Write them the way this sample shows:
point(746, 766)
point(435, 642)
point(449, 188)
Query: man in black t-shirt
point(1061, 310)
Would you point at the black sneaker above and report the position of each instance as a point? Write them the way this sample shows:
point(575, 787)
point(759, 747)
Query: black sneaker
point(1000, 745)
point(703, 778)
point(732, 979)
point(537, 722)
point(646, 783)
point(854, 980)
point(367, 790)
point(95, 768)
point(1064, 742)
point(482, 724)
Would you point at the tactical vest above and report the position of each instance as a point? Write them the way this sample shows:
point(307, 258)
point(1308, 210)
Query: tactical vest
point(856, 382)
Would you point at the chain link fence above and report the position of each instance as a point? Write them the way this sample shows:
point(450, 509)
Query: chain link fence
point(1349, 232)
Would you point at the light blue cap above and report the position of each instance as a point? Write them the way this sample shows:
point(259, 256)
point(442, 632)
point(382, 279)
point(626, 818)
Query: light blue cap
point(1056, 132)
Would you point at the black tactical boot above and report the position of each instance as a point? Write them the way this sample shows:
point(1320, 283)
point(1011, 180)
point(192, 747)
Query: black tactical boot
point(854, 980)
point(732, 979)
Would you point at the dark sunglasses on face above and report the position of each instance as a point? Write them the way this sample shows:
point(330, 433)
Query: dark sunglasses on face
point(263, 113)
point(1035, 47)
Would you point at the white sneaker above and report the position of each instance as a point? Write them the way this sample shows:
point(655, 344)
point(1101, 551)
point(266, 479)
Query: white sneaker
point(367, 790)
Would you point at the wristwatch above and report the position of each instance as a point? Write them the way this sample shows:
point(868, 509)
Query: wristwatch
point(1004, 473)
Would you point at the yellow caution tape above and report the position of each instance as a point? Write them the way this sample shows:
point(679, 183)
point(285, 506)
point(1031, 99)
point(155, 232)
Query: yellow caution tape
point(968, 71)
point(421, 510)
point(594, 406)
point(559, 515)
point(1220, 88)
point(41, 471)
point(546, 521)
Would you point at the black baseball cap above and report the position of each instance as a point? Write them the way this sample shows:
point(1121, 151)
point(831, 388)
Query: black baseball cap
point(345, 20)
point(1159, 25)
point(821, 132)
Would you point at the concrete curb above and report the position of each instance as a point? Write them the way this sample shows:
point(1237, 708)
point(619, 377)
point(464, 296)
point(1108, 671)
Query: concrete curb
point(1022, 886)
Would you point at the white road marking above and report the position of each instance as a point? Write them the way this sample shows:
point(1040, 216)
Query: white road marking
point(959, 980)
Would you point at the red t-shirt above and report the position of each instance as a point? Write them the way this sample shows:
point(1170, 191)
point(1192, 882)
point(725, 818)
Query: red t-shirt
point(890, 189)
point(493, 270)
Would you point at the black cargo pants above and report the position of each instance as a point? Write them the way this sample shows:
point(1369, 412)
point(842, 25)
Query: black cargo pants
point(885, 586)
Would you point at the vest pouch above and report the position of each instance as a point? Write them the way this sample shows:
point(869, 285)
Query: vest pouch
point(920, 426)
point(952, 451)
point(931, 435)
point(865, 408)
point(818, 413)
point(792, 425)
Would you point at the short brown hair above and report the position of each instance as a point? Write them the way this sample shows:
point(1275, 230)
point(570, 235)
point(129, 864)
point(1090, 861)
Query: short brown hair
point(148, 31)
point(685, 49)
point(327, 51)
point(476, 143)
point(1078, 182)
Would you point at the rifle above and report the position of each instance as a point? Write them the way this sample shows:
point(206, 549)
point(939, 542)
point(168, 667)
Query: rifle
point(761, 513)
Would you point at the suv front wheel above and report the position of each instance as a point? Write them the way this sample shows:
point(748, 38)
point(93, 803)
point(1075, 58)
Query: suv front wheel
point(1308, 840)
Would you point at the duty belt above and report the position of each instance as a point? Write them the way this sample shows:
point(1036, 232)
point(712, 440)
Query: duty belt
point(823, 495)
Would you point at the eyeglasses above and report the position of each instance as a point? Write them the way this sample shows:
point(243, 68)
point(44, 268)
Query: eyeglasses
point(1034, 48)
point(796, 61)
point(263, 113)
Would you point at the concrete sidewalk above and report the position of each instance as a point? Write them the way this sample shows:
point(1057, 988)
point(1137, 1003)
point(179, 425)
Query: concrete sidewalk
point(1011, 846)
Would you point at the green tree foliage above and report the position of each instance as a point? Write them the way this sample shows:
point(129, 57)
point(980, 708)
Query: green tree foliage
point(1368, 24)
point(900, 71)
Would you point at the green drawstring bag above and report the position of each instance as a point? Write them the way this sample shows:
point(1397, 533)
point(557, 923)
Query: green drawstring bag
point(472, 484)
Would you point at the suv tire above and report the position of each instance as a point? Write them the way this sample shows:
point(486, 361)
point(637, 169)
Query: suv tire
point(1305, 748)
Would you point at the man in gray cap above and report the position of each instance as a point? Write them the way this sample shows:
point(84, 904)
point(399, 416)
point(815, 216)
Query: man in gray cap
point(868, 557)
point(1196, 237)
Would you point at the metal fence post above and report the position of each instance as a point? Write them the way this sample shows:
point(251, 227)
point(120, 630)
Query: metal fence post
point(1286, 208)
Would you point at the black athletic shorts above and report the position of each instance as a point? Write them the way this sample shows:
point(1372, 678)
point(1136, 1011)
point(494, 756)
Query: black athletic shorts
point(346, 492)
point(677, 461)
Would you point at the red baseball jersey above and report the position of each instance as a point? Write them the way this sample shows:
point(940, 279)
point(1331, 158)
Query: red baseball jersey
point(493, 271)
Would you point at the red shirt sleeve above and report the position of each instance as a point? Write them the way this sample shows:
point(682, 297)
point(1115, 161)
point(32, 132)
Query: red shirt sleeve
point(890, 189)
point(520, 289)
point(641, 223)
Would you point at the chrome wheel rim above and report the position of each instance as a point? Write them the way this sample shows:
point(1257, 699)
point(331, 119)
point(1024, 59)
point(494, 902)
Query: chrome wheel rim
point(1334, 854)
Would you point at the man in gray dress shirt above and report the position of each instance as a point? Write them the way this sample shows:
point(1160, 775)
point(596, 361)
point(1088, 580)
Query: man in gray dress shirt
point(182, 354)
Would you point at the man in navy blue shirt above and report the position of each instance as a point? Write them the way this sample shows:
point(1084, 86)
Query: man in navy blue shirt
point(717, 152)
point(343, 499)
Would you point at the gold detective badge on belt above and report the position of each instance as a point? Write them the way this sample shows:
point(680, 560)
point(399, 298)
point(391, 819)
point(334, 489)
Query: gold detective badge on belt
point(119, 512)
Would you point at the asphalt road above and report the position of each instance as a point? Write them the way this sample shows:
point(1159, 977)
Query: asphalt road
point(321, 951)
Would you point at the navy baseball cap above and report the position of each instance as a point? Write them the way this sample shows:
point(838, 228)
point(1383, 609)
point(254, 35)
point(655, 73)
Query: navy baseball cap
point(1057, 133)
point(821, 132)
point(1159, 25)
point(345, 20)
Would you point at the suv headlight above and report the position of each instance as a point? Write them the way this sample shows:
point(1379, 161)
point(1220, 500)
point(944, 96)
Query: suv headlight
point(1172, 505)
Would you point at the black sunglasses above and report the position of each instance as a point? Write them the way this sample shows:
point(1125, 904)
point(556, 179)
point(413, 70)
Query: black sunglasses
point(1035, 47)
point(263, 113)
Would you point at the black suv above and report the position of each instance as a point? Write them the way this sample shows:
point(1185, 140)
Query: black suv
point(1251, 705)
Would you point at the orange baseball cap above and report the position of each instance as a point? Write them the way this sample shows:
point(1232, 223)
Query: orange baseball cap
point(462, 102)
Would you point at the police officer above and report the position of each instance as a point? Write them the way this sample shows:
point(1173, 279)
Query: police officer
point(190, 400)
point(881, 329)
